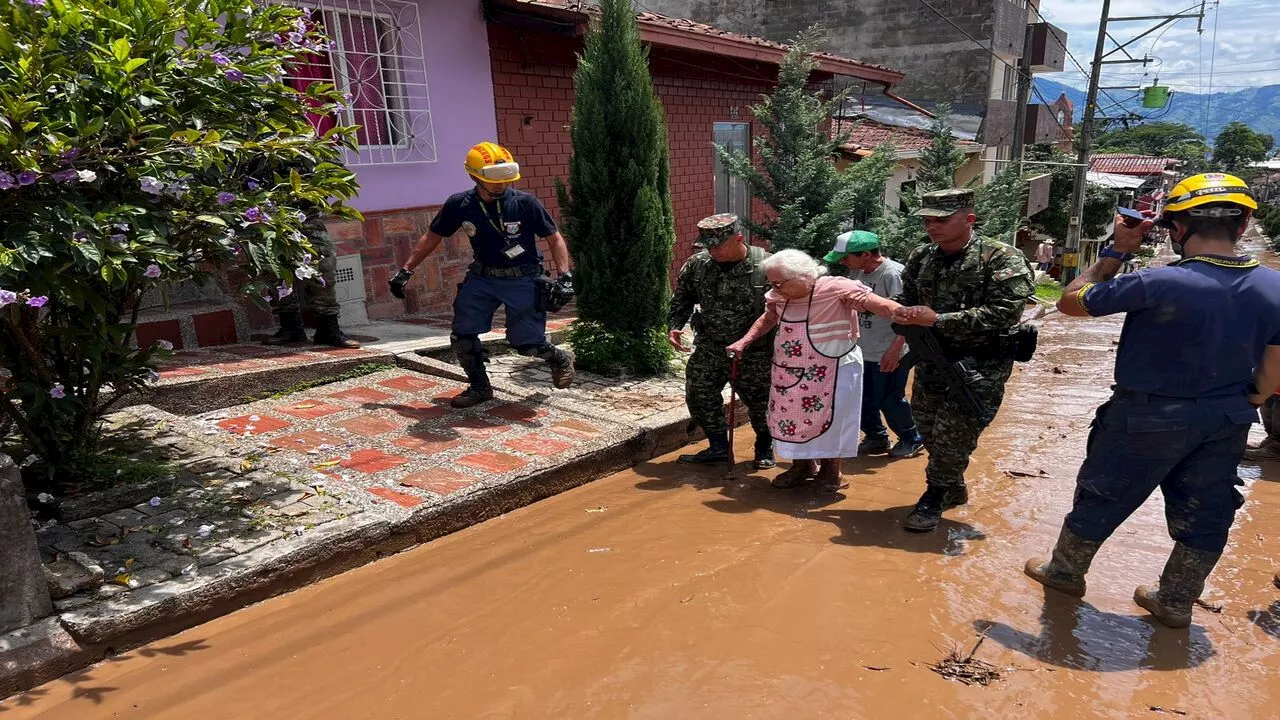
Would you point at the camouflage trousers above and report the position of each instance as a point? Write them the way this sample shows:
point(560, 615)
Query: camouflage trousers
point(706, 376)
point(950, 431)
point(319, 292)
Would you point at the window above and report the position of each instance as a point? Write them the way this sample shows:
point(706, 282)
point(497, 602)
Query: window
point(731, 191)
point(377, 59)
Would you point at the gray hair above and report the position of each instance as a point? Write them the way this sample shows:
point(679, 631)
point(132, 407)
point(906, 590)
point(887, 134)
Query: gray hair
point(794, 264)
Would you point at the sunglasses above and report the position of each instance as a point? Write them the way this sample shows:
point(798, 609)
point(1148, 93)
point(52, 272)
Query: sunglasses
point(777, 285)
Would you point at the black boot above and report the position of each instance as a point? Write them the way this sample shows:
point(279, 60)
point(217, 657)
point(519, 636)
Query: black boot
point(479, 391)
point(290, 330)
point(764, 453)
point(717, 451)
point(928, 510)
point(328, 333)
point(562, 370)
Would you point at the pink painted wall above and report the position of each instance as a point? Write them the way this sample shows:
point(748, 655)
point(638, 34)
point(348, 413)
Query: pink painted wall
point(460, 90)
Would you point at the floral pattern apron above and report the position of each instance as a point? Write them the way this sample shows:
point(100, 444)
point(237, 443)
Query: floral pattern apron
point(802, 403)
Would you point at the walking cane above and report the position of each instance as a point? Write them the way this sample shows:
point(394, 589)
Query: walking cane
point(733, 409)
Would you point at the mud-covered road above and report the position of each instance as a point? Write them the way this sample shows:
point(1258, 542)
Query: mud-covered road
point(670, 593)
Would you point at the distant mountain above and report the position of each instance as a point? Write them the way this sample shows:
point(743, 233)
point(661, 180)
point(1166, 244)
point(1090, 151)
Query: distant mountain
point(1259, 108)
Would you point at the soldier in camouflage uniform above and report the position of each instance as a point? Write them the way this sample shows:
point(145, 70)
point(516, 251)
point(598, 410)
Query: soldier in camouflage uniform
point(972, 292)
point(319, 291)
point(726, 283)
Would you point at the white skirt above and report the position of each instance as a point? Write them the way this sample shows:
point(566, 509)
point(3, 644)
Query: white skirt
point(841, 439)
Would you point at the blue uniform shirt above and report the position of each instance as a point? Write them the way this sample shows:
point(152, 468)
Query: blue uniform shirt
point(497, 230)
point(1195, 329)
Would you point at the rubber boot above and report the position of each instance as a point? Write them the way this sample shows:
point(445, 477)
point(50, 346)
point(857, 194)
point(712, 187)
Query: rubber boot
point(800, 472)
point(290, 330)
point(764, 453)
point(1180, 586)
point(829, 477)
point(928, 511)
point(1267, 451)
point(562, 370)
point(328, 333)
point(717, 451)
point(479, 390)
point(1065, 570)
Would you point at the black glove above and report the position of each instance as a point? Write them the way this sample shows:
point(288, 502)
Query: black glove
point(561, 292)
point(398, 282)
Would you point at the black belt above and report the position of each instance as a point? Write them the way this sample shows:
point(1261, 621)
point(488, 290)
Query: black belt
point(508, 272)
point(1143, 398)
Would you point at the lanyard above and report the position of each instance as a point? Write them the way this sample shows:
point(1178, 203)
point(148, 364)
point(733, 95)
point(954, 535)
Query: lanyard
point(500, 225)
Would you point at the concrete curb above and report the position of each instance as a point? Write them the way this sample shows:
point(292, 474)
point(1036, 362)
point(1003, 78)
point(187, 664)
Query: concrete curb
point(79, 638)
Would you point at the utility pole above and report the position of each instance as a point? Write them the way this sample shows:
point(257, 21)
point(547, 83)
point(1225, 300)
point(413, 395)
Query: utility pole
point(1075, 225)
point(1017, 151)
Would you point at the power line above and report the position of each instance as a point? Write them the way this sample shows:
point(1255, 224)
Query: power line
point(1213, 55)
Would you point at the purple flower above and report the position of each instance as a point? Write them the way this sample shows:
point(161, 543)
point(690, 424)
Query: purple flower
point(71, 154)
point(79, 236)
point(119, 239)
point(295, 38)
point(152, 271)
point(320, 279)
point(38, 302)
point(8, 297)
point(150, 185)
point(66, 176)
point(27, 178)
point(226, 198)
point(235, 75)
point(278, 39)
point(57, 392)
point(253, 214)
point(252, 185)
point(153, 376)
point(7, 181)
point(37, 3)
point(283, 291)
point(220, 59)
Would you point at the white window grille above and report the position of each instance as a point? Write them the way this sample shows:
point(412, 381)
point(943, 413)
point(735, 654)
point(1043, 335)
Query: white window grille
point(377, 57)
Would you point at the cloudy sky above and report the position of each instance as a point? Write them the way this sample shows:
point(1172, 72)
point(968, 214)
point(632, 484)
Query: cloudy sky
point(1245, 54)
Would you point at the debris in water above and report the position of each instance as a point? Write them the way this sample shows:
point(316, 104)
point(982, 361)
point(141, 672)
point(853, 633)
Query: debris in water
point(602, 508)
point(1157, 708)
point(686, 600)
point(965, 668)
point(1211, 607)
point(1058, 371)
point(596, 550)
point(875, 667)
point(1025, 473)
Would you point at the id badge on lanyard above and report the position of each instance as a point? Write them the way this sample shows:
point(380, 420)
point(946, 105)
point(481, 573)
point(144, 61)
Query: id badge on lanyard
point(510, 230)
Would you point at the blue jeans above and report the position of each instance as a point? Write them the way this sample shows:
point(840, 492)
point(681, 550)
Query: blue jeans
point(1187, 448)
point(886, 393)
point(479, 297)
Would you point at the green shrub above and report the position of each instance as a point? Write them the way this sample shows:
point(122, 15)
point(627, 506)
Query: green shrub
point(142, 141)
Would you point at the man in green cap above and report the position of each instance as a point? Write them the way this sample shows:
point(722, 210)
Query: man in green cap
point(971, 291)
point(726, 284)
point(882, 392)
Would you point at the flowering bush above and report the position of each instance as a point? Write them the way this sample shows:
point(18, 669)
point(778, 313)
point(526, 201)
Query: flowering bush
point(142, 142)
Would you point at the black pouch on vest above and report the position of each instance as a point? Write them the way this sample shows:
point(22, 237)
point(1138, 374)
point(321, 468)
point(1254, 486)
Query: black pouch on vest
point(542, 295)
point(1022, 342)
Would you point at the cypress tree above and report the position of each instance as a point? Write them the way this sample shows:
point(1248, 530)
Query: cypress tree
point(617, 209)
point(797, 175)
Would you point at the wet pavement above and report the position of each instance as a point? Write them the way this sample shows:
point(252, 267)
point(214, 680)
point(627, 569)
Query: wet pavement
point(670, 592)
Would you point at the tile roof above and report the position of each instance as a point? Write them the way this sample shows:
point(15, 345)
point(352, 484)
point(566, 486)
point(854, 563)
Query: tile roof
point(690, 27)
point(1125, 164)
point(868, 134)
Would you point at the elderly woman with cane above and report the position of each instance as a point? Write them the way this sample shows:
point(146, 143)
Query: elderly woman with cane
point(815, 396)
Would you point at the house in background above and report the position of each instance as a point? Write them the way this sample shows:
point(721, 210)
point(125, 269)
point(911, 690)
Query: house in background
point(865, 135)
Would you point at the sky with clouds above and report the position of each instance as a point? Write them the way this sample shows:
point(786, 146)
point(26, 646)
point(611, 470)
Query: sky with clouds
point(1245, 54)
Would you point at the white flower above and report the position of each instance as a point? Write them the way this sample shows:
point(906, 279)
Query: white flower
point(154, 502)
point(164, 344)
point(204, 531)
point(305, 272)
point(87, 176)
point(45, 498)
point(254, 418)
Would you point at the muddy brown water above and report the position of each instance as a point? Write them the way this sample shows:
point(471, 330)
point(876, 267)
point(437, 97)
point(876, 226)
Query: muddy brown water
point(667, 592)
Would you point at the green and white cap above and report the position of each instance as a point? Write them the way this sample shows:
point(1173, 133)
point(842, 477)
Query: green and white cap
point(852, 242)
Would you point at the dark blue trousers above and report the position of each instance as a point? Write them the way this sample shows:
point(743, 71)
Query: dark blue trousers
point(1187, 448)
point(886, 393)
point(479, 297)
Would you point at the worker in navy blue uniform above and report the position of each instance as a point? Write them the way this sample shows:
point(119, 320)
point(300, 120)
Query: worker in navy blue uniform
point(504, 225)
point(1200, 351)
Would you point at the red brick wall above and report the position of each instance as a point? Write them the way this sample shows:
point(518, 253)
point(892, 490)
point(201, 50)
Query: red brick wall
point(533, 92)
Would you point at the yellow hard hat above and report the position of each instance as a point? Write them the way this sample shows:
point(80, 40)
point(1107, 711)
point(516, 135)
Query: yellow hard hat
point(492, 163)
point(1209, 188)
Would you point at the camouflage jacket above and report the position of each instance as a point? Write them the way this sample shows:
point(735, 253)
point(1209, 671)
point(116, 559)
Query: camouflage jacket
point(978, 293)
point(728, 300)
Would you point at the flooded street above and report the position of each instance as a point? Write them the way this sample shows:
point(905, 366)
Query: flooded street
point(666, 592)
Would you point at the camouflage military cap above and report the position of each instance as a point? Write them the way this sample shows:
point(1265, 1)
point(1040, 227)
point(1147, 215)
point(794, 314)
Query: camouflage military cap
point(716, 229)
point(945, 203)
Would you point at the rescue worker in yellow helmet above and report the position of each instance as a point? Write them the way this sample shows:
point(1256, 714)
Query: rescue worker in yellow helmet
point(504, 225)
point(1199, 353)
